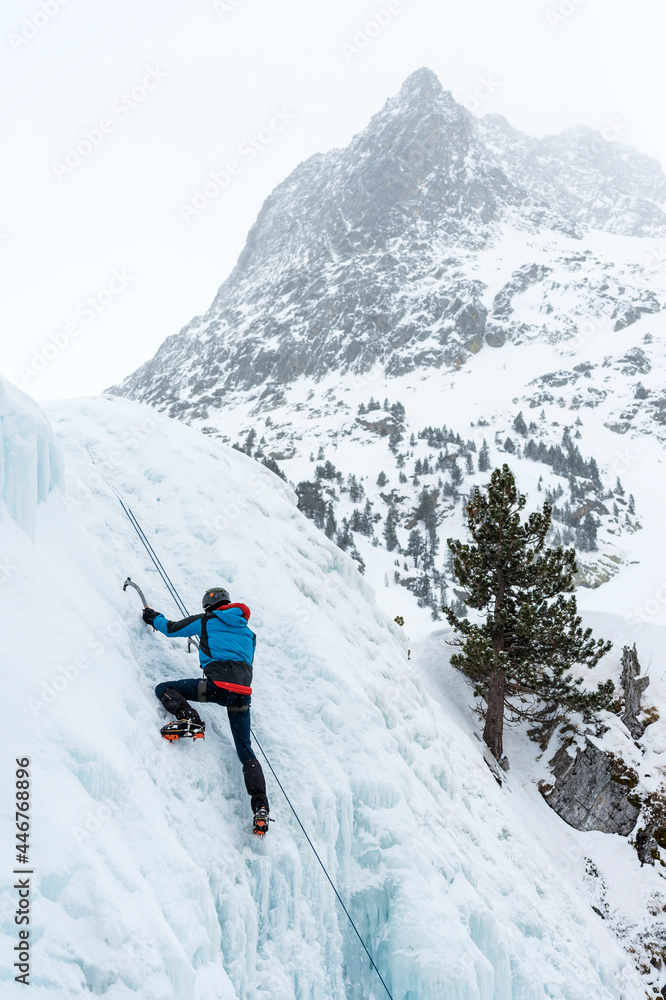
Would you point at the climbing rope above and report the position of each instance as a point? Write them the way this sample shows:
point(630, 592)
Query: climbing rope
point(181, 606)
point(146, 544)
point(323, 866)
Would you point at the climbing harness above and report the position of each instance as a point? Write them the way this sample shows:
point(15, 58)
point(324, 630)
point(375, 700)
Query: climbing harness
point(174, 593)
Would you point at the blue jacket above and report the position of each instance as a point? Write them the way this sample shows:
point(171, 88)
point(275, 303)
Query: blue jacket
point(224, 634)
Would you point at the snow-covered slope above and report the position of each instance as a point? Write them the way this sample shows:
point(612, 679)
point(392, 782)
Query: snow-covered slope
point(146, 881)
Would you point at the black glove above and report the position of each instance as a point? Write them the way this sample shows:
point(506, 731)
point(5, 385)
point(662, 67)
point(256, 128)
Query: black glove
point(149, 615)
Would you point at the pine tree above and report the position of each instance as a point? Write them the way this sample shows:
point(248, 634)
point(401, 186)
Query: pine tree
point(356, 556)
point(345, 539)
point(271, 464)
point(356, 491)
point(331, 525)
point(415, 546)
point(367, 519)
point(469, 465)
point(456, 473)
point(394, 440)
point(519, 425)
point(382, 479)
point(311, 502)
point(390, 534)
point(586, 534)
point(532, 637)
point(426, 511)
point(484, 457)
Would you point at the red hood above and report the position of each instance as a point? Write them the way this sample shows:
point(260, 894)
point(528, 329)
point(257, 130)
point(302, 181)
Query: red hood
point(243, 607)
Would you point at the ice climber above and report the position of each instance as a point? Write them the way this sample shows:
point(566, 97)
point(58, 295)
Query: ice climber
point(226, 652)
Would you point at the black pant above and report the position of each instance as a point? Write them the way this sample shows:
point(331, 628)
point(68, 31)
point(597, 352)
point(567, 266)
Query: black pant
point(176, 695)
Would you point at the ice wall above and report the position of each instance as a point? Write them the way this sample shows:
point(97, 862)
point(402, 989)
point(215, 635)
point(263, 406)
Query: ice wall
point(30, 465)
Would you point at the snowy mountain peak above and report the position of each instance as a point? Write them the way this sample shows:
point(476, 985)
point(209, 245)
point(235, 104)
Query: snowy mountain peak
point(389, 251)
point(422, 83)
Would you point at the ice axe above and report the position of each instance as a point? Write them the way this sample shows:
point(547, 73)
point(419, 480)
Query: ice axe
point(129, 582)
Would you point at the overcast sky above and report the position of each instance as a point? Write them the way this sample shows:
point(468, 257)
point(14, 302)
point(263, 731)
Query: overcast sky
point(113, 113)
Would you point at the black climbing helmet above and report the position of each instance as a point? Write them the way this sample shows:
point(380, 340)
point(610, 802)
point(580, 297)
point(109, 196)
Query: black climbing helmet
point(214, 597)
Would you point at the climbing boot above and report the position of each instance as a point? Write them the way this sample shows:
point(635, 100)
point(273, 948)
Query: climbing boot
point(261, 821)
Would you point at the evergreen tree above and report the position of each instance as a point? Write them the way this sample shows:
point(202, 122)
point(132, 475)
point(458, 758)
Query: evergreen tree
point(271, 464)
point(382, 479)
point(311, 502)
point(394, 440)
point(330, 526)
point(484, 457)
point(632, 504)
point(327, 471)
point(456, 473)
point(345, 539)
point(532, 637)
point(619, 488)
point(356, 491)
point(426, 511)
point(469, 465)
point(367, 519)
point(415, 546)
point(390, 534)
point(519, 425)
point(586, 534)
point(356, 556)
point(510, 446)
